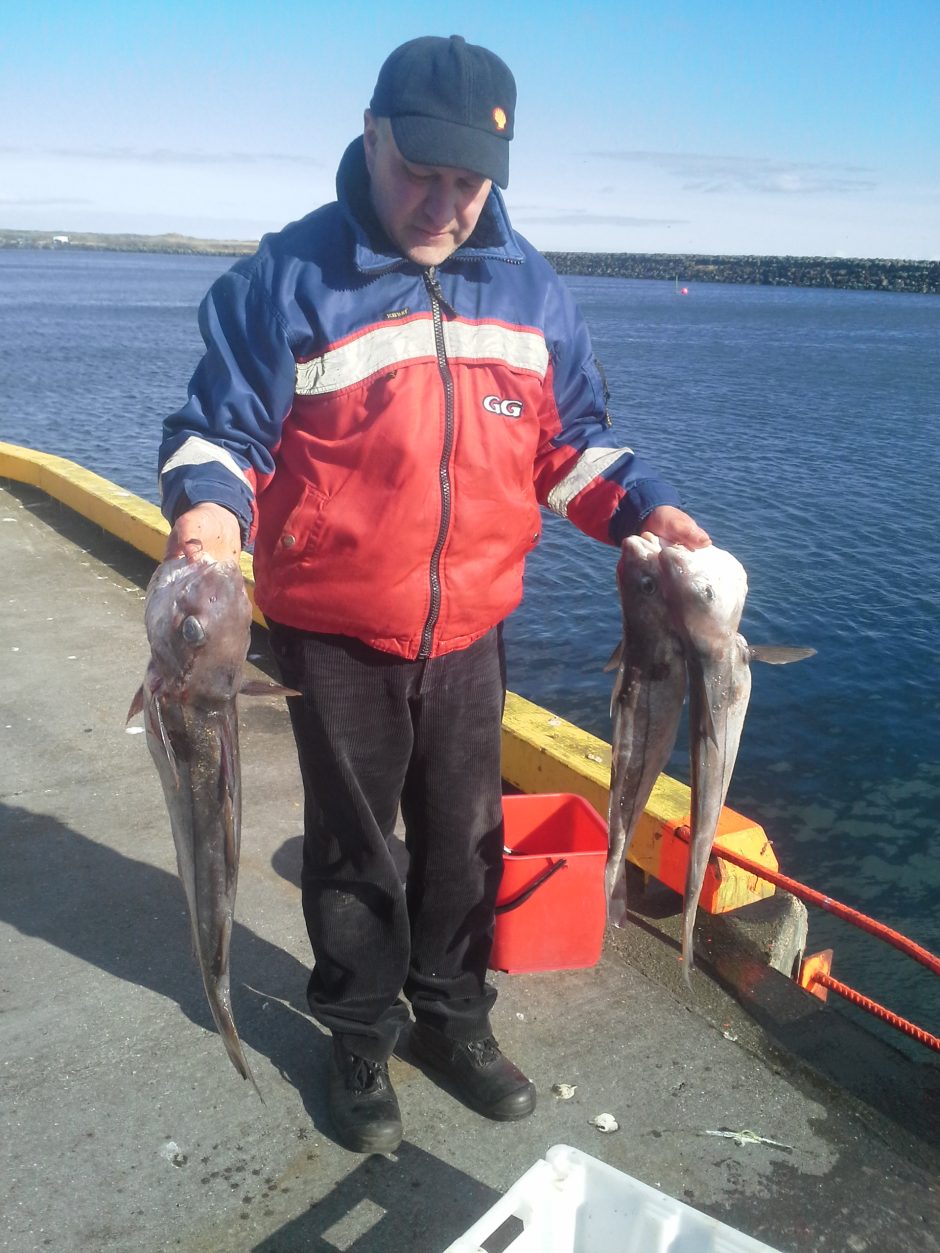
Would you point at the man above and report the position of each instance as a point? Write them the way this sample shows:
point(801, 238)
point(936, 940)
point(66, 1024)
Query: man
point(391, 387)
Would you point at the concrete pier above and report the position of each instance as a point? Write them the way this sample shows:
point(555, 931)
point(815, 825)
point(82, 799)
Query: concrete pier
point(124, 1124)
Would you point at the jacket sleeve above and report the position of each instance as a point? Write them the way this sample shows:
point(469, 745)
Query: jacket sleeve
point(219, 446)
point(583, 470)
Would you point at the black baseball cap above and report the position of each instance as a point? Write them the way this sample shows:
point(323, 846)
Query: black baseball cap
point(449, 103)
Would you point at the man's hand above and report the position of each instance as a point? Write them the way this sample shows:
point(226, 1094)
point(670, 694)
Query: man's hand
point(673, 526)
point(206, 530)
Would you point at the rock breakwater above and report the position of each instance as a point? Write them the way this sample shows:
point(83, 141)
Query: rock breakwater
point(853, 273)
point(858, 274)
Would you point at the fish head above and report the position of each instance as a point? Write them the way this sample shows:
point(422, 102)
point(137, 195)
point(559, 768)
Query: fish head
point(198, 620)
point(706, 589)
point(639, 581)
point(638, 569)
point(646, 614)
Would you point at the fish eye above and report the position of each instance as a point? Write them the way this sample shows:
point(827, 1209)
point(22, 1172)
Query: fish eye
point(193, 631)
point(647, 584)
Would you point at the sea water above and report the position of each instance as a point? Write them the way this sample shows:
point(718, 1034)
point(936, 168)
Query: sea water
point(801, 427)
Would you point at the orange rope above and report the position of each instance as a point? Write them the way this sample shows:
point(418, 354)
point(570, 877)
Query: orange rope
point(812, 897)
point(879, 1011)
point(860, 920)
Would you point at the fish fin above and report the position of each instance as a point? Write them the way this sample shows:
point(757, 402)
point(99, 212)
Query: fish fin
point(160, 733)
point(228, 791)
point(615, 657)
point(778, 654)
point(701, 717)
point(137, 704)
point(707, 722)
point(614, 703)
point(258, 687)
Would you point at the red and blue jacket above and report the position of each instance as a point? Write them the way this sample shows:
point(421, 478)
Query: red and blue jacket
point(387, 433)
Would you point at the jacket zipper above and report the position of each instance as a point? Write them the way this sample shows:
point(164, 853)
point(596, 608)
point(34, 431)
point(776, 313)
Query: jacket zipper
point(434, 573)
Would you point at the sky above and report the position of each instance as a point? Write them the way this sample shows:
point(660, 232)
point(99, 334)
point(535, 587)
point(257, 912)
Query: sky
point(797, 127)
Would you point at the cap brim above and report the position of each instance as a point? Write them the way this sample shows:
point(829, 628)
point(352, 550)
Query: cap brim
point(430, 141)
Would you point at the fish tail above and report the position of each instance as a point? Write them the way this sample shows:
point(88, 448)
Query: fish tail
point(699, 851)
point(241, 1065)
point(234, 1049)
point(688, 954)
point(617, 895)
point(700, 846)
point(226, 1027)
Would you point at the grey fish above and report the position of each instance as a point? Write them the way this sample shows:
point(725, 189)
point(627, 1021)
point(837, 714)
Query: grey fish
point(646, 705)
point(705, 589)
point(198, 621)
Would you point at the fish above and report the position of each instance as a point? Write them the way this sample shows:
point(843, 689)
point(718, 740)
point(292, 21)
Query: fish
point(198, 619)
point(705, 590)
point(646, 704)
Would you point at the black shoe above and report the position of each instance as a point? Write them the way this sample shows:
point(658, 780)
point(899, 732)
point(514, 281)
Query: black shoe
point(486, 1080)
point(363, 1105)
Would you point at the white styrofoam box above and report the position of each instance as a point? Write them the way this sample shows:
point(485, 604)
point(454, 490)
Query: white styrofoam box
point(569, 1202)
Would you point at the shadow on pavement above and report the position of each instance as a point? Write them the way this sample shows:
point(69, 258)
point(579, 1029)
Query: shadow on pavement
point(411, 1201)
point(129, 919)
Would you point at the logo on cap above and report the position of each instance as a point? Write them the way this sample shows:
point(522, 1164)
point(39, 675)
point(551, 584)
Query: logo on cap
point(499, 118)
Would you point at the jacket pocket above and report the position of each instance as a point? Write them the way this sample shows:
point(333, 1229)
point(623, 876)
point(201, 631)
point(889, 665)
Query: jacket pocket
point(302, 527)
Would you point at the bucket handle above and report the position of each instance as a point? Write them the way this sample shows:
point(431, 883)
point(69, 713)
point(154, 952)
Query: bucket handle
point(533, 887)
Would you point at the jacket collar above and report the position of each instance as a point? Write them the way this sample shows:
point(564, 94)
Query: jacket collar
point(492, 239)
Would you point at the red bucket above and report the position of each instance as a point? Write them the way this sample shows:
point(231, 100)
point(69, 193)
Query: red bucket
point(550, 910)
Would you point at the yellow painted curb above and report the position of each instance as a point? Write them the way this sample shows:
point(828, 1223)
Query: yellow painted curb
point(119, 512)
point(541, 752)
point(544, 753)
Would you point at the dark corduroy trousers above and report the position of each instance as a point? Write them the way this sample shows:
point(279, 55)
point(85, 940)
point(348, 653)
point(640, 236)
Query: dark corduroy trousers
point(374, 732)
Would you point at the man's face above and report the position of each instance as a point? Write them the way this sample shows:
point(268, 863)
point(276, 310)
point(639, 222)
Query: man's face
point(428, 211)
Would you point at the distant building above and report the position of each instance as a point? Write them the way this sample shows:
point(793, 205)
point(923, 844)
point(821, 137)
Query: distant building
point(58, 240)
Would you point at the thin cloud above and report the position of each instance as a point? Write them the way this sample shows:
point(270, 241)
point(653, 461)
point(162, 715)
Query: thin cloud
point(701, 172)
point(163, 156)
point(40, 202)
point(575, 218)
